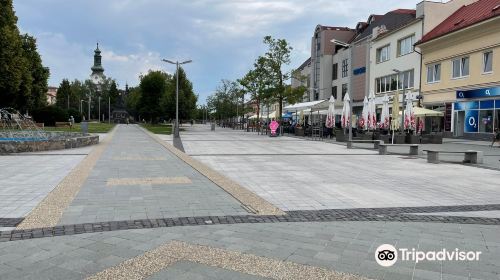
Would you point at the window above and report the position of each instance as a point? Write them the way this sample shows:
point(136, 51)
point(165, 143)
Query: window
point(335, 71)
point(345, 65)
point(344, 90)
point(405, 45)
point(460, 67)
point(334, 92)
point(486, 121)
point(383, 54)
point(434, 73)
point(488, 62)
point(402, 80)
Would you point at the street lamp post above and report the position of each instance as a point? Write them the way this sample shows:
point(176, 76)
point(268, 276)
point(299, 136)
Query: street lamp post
point(109, 109)
point(99, 108)
point(349, 46)
point(177, 63)
point(88, 116)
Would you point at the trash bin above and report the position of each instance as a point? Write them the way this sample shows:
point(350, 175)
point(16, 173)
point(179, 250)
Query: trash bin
point(85, 127)
point(212, 127)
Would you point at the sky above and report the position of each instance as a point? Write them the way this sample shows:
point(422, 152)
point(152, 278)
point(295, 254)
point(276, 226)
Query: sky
point(223, 38)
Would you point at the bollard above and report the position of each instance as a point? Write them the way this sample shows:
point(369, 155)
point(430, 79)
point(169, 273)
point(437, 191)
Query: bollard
point(85, 127)
point(212, 128)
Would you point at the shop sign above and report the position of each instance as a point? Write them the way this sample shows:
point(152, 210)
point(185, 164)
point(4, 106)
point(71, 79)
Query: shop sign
point(478, 93)
point(471, 121)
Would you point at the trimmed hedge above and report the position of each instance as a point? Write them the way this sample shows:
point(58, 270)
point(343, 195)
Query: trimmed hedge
point(49, 115)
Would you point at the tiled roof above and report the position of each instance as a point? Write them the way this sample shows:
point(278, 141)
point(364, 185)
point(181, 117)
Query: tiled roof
point(303, 65)
point(464, 17)
point(391, 20)
point(324, 27)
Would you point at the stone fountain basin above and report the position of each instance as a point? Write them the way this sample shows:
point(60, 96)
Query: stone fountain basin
point(52, 141)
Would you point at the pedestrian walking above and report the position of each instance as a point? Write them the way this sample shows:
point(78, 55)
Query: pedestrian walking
point(496, 137)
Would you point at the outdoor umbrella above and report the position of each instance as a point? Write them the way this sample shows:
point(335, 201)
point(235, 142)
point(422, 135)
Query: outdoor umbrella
point(346, 111)
point(330, 115)
point(384, 117)
point(395, 114)
point(409, 114)
point(365, 117)
point(372, 114)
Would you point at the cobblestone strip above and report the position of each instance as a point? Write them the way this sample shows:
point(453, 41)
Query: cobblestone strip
point(244, 196)
point(50, 210)
point(309, 216)
point(151, 262)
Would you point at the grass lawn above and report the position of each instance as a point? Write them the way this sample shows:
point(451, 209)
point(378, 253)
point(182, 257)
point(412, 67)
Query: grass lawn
point(158, 128)
point(93, 128)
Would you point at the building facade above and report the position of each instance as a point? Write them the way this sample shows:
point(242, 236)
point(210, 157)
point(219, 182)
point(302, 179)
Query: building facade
point(461, 69)
point(322, 51)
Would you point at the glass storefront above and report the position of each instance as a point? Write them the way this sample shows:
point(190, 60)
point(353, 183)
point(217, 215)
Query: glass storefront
point(479, 116)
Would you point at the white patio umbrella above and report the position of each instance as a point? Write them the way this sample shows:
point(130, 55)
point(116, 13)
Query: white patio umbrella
point(346, 111)
point(409, 113)
point(372, 114)
point(384, 117)
point(330, 115)
point(365, 117)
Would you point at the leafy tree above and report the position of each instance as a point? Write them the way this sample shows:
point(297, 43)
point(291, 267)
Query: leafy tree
point(132, 101)
point(63, 95)
point(153, 86)
point(187, 98)
point(39, 74)
point(13, 64)
point(276, 57)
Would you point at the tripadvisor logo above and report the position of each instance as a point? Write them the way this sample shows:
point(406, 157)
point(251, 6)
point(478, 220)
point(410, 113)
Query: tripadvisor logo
point(386, 255)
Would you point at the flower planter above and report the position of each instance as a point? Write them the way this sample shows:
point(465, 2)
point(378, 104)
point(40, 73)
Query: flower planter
point(386, 138)
point(299, 131)
point(340, 135)
point(412, 139)
point(399, 139)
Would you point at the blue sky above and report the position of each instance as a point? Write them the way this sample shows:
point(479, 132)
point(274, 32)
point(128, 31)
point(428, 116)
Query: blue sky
point(223, 38)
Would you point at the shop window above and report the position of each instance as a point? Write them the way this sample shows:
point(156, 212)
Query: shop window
point(486, 121)
point(488, 62)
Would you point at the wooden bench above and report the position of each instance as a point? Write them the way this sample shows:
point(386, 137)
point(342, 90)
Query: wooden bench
point(376, 143)
point(382, 148)
point(63, 124)
point(469, 156)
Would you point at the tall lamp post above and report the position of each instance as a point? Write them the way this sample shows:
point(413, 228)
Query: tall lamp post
point(177, 63)
point(349, 46)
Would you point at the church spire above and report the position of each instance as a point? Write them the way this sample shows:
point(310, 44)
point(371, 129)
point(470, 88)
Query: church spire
point(97, 69)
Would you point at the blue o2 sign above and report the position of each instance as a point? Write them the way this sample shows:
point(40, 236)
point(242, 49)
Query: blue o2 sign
point(477, 93)
point(471, 121)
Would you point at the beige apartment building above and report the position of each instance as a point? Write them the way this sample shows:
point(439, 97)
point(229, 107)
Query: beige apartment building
point(461, 70)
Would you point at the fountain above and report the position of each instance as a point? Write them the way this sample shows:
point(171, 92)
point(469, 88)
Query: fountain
point(19, 133)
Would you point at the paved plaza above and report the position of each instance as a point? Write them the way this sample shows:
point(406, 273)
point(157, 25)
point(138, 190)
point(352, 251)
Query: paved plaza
point(133, 207)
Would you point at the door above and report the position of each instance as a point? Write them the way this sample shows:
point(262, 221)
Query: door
point(459, 123)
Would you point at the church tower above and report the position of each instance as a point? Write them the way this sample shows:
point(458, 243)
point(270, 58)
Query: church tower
point(97, 75)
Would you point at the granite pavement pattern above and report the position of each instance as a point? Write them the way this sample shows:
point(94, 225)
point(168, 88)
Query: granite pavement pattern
point(296, 174)
point(342, 247)
point(135, 155)
point(27, 178)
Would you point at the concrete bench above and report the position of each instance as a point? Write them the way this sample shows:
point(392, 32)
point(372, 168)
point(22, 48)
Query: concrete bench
point(469, 156)
point(376, 143)
point(382, 149)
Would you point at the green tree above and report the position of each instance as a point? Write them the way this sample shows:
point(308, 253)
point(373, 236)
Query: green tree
point(187, 98)
point(276, 57)
point(132, 101)
point(39, 74)
point(63, 95)
point(153, 86)
point(13, 64)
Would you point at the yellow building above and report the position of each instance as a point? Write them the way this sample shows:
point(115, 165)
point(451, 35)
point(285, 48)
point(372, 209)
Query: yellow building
point(461, 70)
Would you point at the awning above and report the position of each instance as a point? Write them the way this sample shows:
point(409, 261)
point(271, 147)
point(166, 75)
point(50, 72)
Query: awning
point(304, 105)
point(422, 112)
